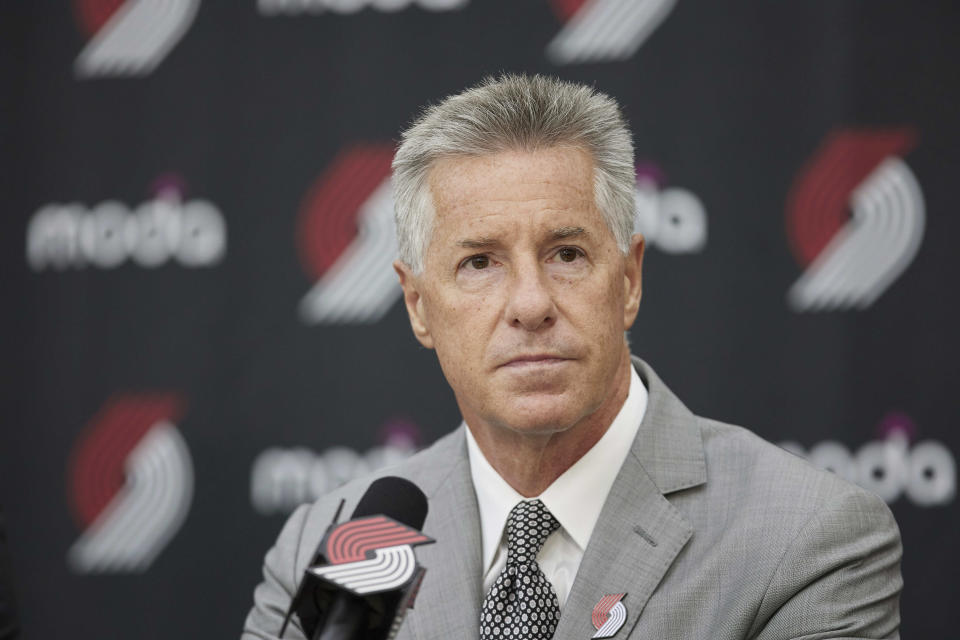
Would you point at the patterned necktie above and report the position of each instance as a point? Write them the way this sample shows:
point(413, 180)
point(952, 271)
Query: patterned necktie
point(522, 604)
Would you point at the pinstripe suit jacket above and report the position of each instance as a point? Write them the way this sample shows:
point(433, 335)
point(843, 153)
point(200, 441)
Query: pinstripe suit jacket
point(711, 532)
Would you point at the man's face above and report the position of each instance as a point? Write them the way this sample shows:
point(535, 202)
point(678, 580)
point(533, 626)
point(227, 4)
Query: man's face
point(524, 293)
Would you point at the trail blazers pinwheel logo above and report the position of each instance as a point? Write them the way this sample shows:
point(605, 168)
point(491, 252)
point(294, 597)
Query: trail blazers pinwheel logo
point(370, 555)
point(347, 240)
point(609, 615)
point(604, 30)
point(130, 38)
point(855, 219)
point(131, 483)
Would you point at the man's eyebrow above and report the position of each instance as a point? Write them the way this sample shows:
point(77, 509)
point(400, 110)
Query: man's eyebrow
point(476, 243)
point(568, 232)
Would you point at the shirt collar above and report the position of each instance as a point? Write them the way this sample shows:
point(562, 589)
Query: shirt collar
point(577, 496)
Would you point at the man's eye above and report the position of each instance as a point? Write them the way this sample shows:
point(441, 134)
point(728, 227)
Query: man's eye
point(479, 262)
point(568, 254)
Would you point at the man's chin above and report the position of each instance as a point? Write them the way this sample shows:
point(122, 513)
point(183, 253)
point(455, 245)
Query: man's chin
point(531, 381)
point(539, 414)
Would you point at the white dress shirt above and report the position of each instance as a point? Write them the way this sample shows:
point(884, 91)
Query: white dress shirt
point(575, 498)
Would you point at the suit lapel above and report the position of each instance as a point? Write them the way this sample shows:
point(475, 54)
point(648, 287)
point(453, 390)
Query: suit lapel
point(636, 540)
point(639, 533)
point(448, 605)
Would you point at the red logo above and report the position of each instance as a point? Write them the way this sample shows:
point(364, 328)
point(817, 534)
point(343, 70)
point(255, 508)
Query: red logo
point(130, 483)
point(130, 38)
point(855, 219)
point(347, 241)
point(370, 555)
point(604, 30)
point(358, 539)
point(609, 615)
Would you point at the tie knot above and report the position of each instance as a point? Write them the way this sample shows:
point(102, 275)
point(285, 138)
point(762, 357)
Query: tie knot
point(529, 525)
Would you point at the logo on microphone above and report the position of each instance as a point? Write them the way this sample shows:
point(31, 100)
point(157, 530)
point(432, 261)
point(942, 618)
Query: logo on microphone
point(130, 483)
point(130, 38)
point(609, 615)
point(604, 30)
point(347, 241)
point(855, 219)
point(370, 555)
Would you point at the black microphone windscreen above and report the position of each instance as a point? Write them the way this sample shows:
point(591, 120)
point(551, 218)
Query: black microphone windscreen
point(396, 498)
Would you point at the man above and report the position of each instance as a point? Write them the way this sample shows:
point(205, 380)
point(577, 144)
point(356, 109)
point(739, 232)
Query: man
point(577, 476)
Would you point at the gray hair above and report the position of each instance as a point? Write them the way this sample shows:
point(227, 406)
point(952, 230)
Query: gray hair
point(514, 112)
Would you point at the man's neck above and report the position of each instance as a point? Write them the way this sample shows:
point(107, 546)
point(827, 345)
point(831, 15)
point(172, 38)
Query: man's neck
point(531, 462)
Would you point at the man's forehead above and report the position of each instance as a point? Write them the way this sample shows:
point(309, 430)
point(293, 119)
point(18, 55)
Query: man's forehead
point(556, 233)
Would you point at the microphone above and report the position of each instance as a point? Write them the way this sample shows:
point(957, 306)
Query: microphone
point(364, 575)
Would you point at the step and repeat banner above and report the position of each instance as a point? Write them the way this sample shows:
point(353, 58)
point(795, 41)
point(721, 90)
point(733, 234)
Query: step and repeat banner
point(203, 330)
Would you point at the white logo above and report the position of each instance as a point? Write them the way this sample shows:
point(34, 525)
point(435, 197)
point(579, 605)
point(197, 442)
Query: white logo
point(136, 38)
point(926, 473)
point(673, 220)
point(62, 236)
point(390, 567)
point(283, 479)
point(293, 7)
point(605, 30)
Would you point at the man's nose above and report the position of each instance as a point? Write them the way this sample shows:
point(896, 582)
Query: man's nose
point(531, 304)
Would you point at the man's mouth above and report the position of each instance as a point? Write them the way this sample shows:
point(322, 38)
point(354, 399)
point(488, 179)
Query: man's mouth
point(534, 360)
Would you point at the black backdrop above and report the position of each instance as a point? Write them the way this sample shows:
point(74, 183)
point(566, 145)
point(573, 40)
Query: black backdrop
point(170, 391)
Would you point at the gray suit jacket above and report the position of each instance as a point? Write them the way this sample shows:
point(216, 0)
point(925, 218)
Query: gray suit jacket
point(711, 532)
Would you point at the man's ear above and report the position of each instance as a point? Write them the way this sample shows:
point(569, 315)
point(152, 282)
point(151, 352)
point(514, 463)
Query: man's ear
point(414, 301)
point(632, 280)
